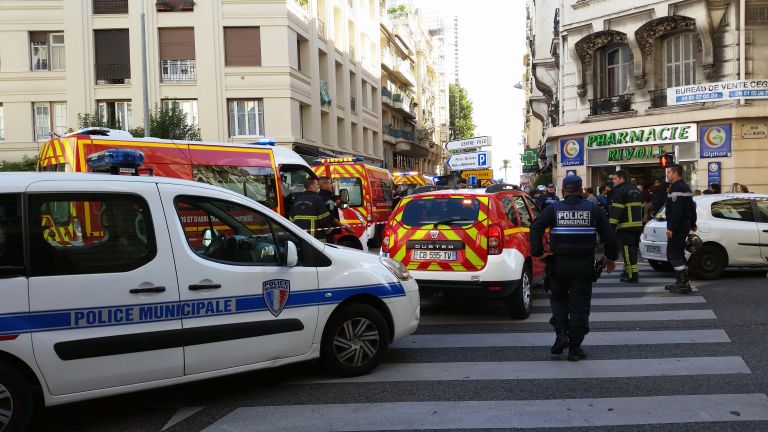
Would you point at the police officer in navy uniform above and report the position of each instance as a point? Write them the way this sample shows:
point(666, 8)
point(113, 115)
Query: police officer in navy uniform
point(681, 220)
point(574, 223)
point(548, 198)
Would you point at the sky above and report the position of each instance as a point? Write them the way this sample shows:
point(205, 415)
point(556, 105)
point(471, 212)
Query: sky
point(491, 49)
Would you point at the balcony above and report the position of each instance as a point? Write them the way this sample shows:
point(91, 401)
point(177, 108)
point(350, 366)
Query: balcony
point(386, 96)
point(658, 98)
point(174, 5)
point(102, 7)
point(610, 105)
point(108, 74)
point(178, 71)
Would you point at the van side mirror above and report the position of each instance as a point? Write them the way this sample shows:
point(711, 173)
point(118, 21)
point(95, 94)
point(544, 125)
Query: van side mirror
point(344, 196)
point(291, 254)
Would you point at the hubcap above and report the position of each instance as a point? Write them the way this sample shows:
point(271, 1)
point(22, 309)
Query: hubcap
point(708, 262)
point(6, 407)
point(526, 291)
point(356, 342)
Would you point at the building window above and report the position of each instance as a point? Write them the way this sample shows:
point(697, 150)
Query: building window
point(242, 46)
point(177, 55)
point(188, 106)
point(110, 7)
point(615, 71)
point(679, 60)
point(47, 51)
point(2, 124)
point(45, 122)
point(117, 114)
point(246, 117)
point(113, 58)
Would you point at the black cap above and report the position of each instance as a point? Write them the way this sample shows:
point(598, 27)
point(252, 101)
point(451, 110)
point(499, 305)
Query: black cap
point(572, 180)
point(551, 185)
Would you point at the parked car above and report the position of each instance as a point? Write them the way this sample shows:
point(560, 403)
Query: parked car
point(732, 227)
point(468, 242)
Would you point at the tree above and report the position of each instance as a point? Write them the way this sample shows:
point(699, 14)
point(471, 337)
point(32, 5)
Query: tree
point(27, 164)
point(86, 120)
point(167, 122)
point(461, 123)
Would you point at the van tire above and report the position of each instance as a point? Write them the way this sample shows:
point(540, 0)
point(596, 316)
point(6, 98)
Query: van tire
point(520, 303)
point(345, 326)
point(20, 399)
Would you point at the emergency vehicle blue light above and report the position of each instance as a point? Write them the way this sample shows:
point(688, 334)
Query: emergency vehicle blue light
point(266, 141)
point(115, 158)
point(358, 159)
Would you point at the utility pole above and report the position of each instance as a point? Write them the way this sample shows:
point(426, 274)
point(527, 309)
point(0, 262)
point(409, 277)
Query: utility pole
point(145, 83)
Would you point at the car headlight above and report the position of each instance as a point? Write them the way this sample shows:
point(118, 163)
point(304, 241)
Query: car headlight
point(397, 268)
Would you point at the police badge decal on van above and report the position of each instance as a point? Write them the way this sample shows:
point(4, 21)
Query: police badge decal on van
point(276, 293)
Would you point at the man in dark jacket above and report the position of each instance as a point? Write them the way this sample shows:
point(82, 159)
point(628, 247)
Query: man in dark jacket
point(681, 220)
point(626, 217)
point(309, 211)
point(574, 223)
point(548, 198)
point(659, 194)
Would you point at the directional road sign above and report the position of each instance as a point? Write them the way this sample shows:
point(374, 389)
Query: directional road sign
point(469, 143)
point(465, 161)
point(480, 174)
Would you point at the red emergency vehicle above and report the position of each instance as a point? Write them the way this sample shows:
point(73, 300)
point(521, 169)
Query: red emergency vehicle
point(408, 181)
point(369, 190)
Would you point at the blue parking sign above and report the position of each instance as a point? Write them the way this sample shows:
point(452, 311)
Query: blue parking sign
point(482, 159)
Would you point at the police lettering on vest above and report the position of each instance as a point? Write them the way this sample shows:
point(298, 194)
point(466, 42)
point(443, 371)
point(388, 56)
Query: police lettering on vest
point(574, 229)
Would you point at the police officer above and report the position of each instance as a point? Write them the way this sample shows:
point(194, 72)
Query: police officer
point(681, 220)
point(309, 212)
point(626, 217)
point(574, 223)
point(548, 198)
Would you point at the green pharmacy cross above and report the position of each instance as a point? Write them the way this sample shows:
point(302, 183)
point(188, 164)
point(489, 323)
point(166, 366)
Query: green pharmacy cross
point(529, 158)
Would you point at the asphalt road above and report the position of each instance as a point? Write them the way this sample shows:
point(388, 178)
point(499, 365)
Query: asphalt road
point(657, 362)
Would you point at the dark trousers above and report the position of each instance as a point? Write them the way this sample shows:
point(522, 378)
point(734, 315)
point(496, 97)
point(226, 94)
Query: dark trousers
point(676, 251)
point(571, 294)
point(629, 242)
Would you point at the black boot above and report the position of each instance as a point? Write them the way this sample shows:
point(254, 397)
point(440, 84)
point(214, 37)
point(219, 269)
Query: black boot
point(624, 277)
point(561, 342)
point(675, 284)
point(634, 279)
point(683, 284)
point(575, 353)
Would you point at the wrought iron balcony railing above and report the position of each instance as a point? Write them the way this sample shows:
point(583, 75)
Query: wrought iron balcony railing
point(608, 105)
point(178, 71)
point(658, 98)
point(110, 7)
point(113, 74)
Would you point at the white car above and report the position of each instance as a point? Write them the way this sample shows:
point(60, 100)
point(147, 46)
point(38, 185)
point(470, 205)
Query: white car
point(732, 227)
point(113, 284)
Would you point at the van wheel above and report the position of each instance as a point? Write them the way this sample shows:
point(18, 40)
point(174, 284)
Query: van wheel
point(17, 402)
point(660, 266)
point(708, 263)
point(520, 303)
point(354, 340)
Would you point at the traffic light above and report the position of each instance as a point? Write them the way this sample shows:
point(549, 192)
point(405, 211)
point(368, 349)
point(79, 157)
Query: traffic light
point(666, 160)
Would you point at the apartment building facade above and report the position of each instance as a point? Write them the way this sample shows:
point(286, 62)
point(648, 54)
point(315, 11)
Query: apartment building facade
point(304, 73)
point(619, 82)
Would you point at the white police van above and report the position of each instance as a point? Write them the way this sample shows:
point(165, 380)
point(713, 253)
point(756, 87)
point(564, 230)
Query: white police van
point(164, 281)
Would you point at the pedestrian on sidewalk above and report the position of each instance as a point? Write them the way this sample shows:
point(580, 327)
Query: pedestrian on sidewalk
point(574, 223)
point(681, 220)
point(626, 217)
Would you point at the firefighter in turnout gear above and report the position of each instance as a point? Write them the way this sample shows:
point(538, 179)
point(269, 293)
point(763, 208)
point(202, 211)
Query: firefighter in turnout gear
point(309, 211)
point(681, 220)
point(574, 223)
point(626, 217)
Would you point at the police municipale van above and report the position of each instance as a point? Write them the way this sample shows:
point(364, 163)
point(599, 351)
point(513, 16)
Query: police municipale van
point(171, 281)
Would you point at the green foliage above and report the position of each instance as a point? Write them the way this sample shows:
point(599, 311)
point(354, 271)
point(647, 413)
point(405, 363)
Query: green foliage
point(398, 11)
point(27, 164)
point(85, 120)
point(164, 122)
point(461, 124)
point(303, 3)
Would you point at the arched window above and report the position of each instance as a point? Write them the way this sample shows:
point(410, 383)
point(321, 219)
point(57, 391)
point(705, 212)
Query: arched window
point(615, 70)
point(679, 60)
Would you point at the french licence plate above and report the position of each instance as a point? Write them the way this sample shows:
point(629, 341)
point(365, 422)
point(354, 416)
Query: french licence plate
point(653, 249)
point(424, 255)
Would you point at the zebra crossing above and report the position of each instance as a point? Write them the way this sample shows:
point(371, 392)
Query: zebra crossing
point(655, 359)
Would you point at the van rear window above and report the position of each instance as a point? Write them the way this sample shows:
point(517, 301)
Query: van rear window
point(257, 183)
point(441, 211)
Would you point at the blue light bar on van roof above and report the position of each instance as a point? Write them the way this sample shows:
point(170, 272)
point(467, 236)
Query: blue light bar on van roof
point(266, 141)
point(115, 158)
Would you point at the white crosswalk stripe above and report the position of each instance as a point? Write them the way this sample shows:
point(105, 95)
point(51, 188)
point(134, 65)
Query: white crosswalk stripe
point(418, 360)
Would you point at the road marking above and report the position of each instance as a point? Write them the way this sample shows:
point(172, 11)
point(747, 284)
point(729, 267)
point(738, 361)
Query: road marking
point(629, 289)
point(182, 414)
point(672, 315)
point(545, 339)
point(517, 370)
point(526, 414)
point(657, 300)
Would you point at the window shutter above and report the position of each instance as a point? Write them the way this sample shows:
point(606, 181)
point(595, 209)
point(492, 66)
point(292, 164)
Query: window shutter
point(177, 43)
point(242, 46)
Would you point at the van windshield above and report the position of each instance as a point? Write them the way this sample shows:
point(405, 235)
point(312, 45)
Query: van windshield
point(257, 183)
point(441, 211)
point(355, 188)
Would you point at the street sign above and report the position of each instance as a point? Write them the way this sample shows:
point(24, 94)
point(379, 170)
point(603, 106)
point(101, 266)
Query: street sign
point(470, 143)
point(464, 161)
point(480, 174)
